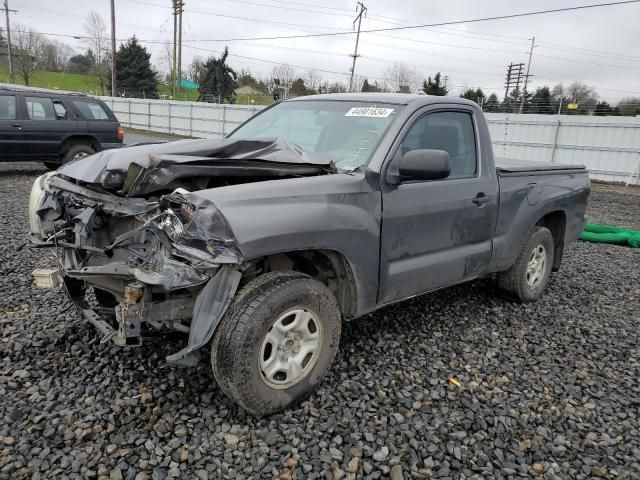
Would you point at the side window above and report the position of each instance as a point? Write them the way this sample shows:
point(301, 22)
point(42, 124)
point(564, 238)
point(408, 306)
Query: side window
point(91, 110)
point(7, 107)
point(449, 131)
point(40, 108)
point(61, 111)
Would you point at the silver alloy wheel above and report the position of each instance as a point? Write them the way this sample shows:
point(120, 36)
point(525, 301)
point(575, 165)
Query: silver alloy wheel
point(290, 348)
point(537, 266)
point(80, 155)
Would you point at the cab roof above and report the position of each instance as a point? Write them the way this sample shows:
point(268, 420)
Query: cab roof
point(377, 97)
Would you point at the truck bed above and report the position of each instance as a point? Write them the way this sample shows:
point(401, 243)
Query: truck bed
point(510, 166)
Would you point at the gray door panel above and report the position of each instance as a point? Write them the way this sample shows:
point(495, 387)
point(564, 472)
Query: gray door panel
point(433, 233)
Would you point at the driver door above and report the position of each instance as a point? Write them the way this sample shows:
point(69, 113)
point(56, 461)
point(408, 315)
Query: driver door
point(438, 232)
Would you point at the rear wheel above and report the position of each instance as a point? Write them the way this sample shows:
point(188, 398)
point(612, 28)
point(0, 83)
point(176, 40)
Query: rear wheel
point(276, 342)
point(529, 275)
point(77, 151)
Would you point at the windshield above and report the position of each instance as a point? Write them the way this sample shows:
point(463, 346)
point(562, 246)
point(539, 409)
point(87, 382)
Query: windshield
point(348, 132)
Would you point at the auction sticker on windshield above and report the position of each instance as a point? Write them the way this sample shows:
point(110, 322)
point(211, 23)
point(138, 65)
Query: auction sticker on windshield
point(369, 112)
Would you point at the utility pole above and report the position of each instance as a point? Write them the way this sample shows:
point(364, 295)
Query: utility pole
point(507, 82)
point(526, 77)
point(179, 63)
point(361, 9)
point(514, 76)
point(173, 63)
point(6, 12)
point(114, 88)
point(177, 50)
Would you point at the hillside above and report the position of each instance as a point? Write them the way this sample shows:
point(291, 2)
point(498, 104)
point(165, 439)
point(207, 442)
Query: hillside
point(90, 84)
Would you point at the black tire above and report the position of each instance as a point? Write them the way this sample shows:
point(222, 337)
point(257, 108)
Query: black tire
point(515, 280)
point(75, 150)
point(52, 165)
point(238, 340)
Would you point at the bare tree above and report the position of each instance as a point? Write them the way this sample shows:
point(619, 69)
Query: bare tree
point(283, 74)
point(358, 82)
point(312, 80)
point(166, 59)
point(102, 71)
point(401, 77)
point(583, 95)
point(96, 30)
point(195, 69)
point(28, 46)
point(52, 55)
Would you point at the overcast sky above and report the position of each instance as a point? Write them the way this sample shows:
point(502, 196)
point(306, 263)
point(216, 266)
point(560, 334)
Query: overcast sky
point(597, 46)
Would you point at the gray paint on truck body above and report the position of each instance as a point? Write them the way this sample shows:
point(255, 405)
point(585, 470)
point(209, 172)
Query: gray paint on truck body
point(398, 239)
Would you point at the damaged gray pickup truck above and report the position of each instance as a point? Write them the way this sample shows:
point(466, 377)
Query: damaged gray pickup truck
point(315, 211)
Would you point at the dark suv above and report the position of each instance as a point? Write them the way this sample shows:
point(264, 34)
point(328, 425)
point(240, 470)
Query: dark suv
point(54, 128)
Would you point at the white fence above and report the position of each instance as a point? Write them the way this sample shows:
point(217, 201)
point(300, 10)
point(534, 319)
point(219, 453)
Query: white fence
point(194, 119)
point(608, 146)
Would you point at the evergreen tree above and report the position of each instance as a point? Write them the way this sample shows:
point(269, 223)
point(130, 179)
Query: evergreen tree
point(217, 80)
point(3, 42)
point(435, 87)
point(370, 87)
point(82, 63)
point(134, 75)
point(298, 88)
point(541, 102)
point(491, 104)
point(476, 95)
point(603, 109)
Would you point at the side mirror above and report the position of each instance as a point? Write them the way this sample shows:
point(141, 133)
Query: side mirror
point(424, 165)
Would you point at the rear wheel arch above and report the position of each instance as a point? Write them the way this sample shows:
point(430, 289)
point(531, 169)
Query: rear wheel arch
point(556, 222)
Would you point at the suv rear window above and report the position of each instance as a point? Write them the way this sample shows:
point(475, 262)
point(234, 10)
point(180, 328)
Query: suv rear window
point(7, 107)
point(91, 110)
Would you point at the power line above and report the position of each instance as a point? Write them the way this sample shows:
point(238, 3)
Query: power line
point(630, 67)
point(235, 17)
point(314, 5)
point(426, 25)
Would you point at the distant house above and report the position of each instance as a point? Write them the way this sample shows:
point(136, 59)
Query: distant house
point(247, 90)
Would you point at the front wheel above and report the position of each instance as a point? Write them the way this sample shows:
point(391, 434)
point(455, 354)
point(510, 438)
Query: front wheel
point(276, 342)
point(529, 275)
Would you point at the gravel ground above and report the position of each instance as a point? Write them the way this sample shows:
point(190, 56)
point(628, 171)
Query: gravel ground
point(548, 390)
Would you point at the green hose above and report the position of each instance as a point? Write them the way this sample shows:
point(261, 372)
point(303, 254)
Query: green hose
point(608, 234)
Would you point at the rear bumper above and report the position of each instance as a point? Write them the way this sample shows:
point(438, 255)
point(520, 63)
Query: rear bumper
point(110, 146)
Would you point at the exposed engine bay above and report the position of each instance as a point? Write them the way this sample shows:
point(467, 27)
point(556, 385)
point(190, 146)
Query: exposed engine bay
point(131, 225)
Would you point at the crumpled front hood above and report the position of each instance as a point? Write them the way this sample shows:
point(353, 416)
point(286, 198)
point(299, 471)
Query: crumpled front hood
point(142, 169)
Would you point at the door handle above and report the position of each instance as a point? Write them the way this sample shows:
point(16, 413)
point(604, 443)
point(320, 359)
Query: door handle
point(481, 199)
point(17, 125)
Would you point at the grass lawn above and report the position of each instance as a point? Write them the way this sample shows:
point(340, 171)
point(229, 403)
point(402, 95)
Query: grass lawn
point(58, 81)
point(89, 84)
